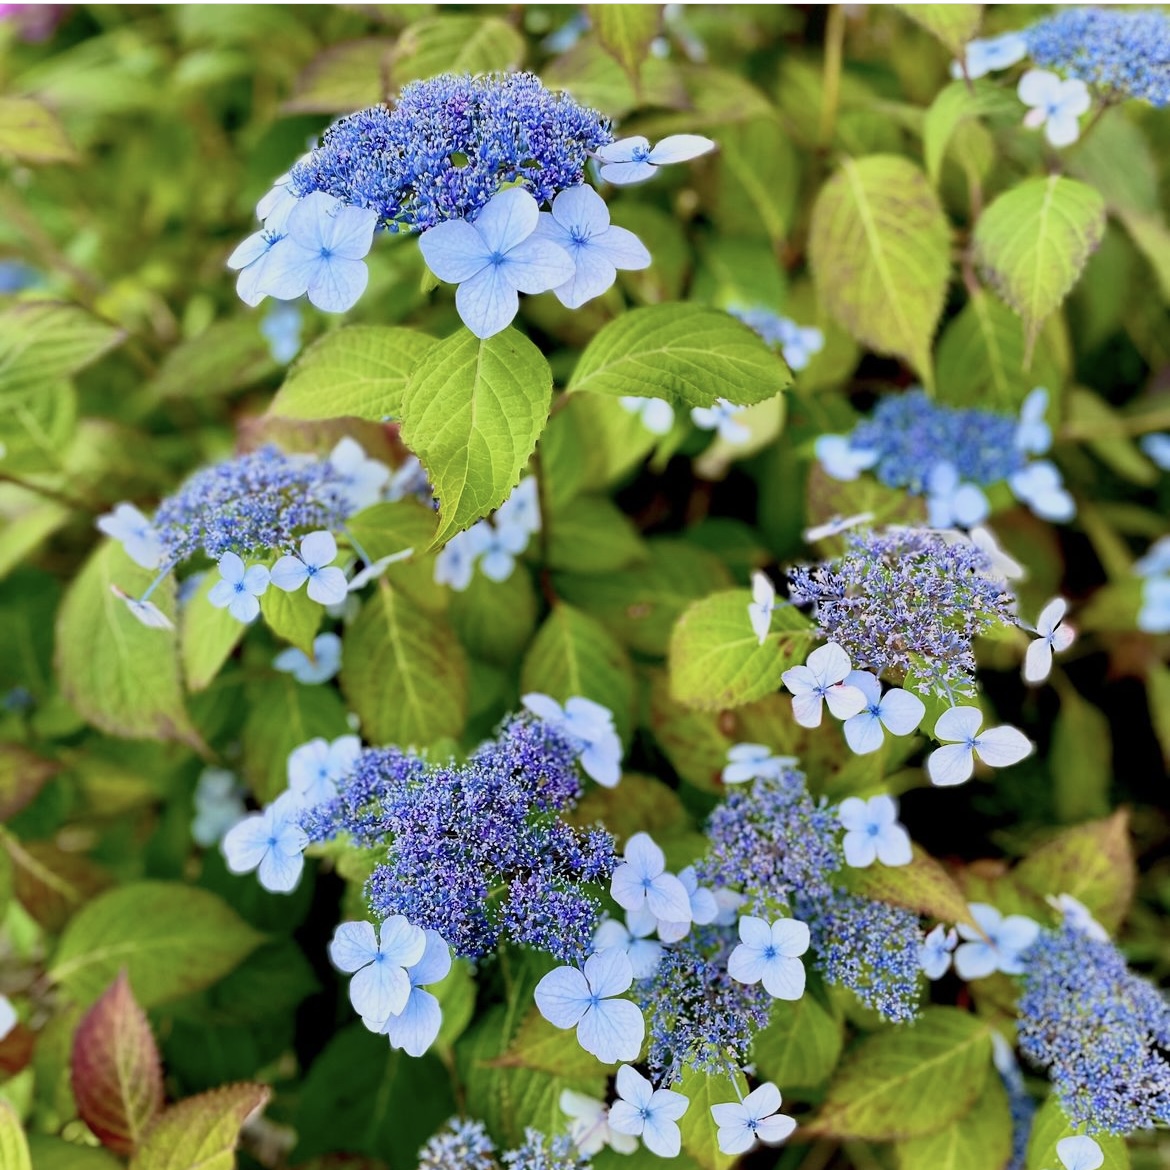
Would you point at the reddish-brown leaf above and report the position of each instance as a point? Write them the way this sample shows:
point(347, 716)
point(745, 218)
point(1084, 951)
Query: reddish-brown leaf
point(50, 883)
point(117, 1075)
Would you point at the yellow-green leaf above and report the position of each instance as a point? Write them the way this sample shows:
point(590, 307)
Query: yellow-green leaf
point(625, 32)
point(32, 134)
point(200, 1133)
point(952, 24)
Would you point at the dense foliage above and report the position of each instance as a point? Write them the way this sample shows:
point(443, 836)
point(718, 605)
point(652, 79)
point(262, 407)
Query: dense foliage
point(584, 586)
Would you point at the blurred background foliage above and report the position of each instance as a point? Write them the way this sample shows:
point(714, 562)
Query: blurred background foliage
point(134, 143)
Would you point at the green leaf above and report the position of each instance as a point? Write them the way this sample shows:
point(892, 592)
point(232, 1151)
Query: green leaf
point(1152, 238)
point(625, 32)
point(1080, 759)
point(716, 660)
point(404, 672)
point(923, 886)
point(1050, 1125)
point(759, 181)
point(170, 938)
point(1094, 862)
point(294, 616)
point(640, 605)
point(57, 1154)
point(700, 1134)
point(22, 775)
point(363, 1097)
point(201, 1133)
point(14, 1153)
point(1033, 242)
point(42, 342)
point(495, 619)
point(981, 357)
point(472, 413)
point(879, 246)
point(282, 715)
point(1095, 419)
point(801, 1044)
point(31, 133)
point(345, 77)
point(590, 534)
point(456, 44)
point(207, 636)
point(952, 24)
point(687, 354)
point(538, 1045)
point(227, 356)
point(909, 1081)
point(980, 1141)
point(358, 370)
point(117, 1074)
point(50, 883)
point(572, 654)
point(959, 102)
point(122, 676)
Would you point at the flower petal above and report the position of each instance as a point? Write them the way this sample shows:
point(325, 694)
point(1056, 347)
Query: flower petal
point(677, 148)
point(998, 747)
point(354, 945)
point(454, 250)
point(337, 284)
point(328, 586)
point(623, 174)
point(415, 1028)
point(563, 997)
point(612, 1030)
point(863, 733)
point(901, 711)
point(487, 303)
point(537, 265)
point(608, 972)
point(289, 573)
point(950, 765)
point(958, 723)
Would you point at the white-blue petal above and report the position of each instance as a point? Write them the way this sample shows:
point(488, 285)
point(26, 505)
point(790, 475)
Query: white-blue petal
point(415, 1028)
point(454, 250)
point(337, 284)
point(507, 219)
point(612, 1030)
point(487, 302)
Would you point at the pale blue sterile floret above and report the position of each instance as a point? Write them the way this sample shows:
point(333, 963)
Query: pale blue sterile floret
point(762, 606)
point(324, 664)
point(960, 729)
point(1154, 570)
point(821, 680)
point(1033, 434)
point(1101, 1031)
point(997, 943)
point(753, 761)
point(326, 582)
point(316, 768)
point(769, 954)
point(587, 725)
point(586, 998)
point(362, 481)
point(239, 587)
point(950, 503)
point(798, 343)
point(937, 951)
point(872, 832)
point(1157, 447)
point(634, 160)
point(1055, 104)
point(633, 937)
point(842, 459)
point(649, 1113)
point(657, 414)
point(281, 326)
point(321, 252)
point(494, 259)
point(589, 1129)
point(579, 223)
point(704, 908)
point(416, 1027)
point(897, 711)
point(1041, 486)
point(723, 419)
point(743, 1124)
point(270, 842)
point(377, 958)
point(641, 883)
point(493, 546)
point(908, 601)
point(137, 536)
point(449, 144)
point(1121, 52)
point(219, 804)
point(990, 54)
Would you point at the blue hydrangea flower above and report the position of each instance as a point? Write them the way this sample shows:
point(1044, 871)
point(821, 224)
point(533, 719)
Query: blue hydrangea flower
point(1157, 447)
point(1080, 1153)
point(219, 804)
point(987, 55)
point(641, 883)
point(998, 943)
point(950, 503)
point(1055, 104)
point(377, 959)
point(359, 479)
point(762, 605)
point(455, 564)
point(1121, 52)
point(539, 1152)
point(137, 536)
point(997, 747)
point(798, 343)
point(579, 223)
point(821, 680)
point(634, 939)
point(657, 414)
point(282, 326)
point(1033, 434)
point(1053, 635)
point(897, 711)
point(769, 953)
point(586, 723)
point(416, 1026)
point(649, 1113)
point(239, 587)
point(1154, 614)
point(449, 144)
point(316, 768)
point(934, 955)
point(743, 1124)
point(704, 908)
point(325, 663)
point(326, 583)
point(495, 258)
point(842, 459)
point(611, 1029)
point(270, 842)
point(634, 160)
point(753, 761)
point(872, 832)
point(1040, 486)
point(1100, 1031)
point(723, 419)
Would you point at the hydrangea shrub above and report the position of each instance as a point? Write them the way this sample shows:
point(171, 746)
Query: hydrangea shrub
point(584, 586)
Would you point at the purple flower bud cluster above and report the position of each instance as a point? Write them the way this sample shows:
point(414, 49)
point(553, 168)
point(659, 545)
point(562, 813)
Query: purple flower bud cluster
point(1122, 52)
point(907, 600)
point(478, 850)
point(870, 947)
point(449, 144)
point(460, 1145)
point(258, 502)
point(770, 841)
point(912, 434)
point(1101, 1031)
point(699, 1016)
